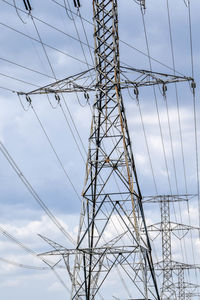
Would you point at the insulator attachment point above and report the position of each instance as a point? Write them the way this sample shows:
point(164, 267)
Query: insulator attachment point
point(57, 97)
point(164, 89)
point(28, 99)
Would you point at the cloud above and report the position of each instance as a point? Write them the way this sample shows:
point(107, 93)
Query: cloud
point(28, 146)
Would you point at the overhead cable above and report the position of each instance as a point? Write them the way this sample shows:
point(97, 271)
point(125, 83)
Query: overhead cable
point(33, 192)
point(38, 41)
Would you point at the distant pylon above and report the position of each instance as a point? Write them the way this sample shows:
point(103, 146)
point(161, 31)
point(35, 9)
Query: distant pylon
point(170, 290)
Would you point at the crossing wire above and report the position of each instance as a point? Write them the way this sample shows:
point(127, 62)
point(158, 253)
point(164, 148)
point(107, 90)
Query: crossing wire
point(157, 110)
point(24, 266)
point(179, 122)
point(194, 108)
point(145, 136)
point(120, 40)
point(54, 75)
point(78, 36)
point(25, 67)
point(91, 47)
point(33, 192)
point(19, 80)
point(195, 126)
point(55, 152)
point(47, 24)
point(7, 89)
point(13, 263)
point(33, 253)
point(45, 44)
point(177, 99)
point(68, 110)
point(161, 134)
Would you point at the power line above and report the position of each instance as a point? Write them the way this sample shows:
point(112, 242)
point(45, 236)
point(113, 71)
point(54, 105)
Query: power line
point(64, 53)
point(122, 41)
point(19, 80)
point(194, 108)
point(156, 103)
point(38, 41)
point(31, 252)
point(145, 136)
point(81, 44)
point(85, 33)
point(46, 23)
point(160, 128)
point(55, 152)
point(33, 192)
point(25, 67)
point(177, 99)
point(7, 89)
point(17, 264)
point(179, 121)
point(54, 75)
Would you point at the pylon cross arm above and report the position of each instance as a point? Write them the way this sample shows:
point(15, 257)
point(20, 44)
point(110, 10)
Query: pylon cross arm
point(78, 83)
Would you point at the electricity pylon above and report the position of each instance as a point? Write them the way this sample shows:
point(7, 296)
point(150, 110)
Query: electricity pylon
point(112, 218)
point(170, 290)
point(183, 289)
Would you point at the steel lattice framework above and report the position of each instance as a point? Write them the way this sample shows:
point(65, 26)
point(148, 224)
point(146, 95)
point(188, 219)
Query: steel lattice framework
point(170, 290)
point(111, 190)
point(110, 163)
point(112, 230)
point(181, 287)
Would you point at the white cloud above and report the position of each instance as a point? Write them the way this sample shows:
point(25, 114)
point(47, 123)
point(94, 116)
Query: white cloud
point(22, 135)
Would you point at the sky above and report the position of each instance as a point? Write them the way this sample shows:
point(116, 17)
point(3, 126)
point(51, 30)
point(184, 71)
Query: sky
point(24, 59)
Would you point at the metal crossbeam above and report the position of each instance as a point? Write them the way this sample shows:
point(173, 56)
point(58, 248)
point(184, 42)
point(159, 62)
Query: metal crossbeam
point(85, 82)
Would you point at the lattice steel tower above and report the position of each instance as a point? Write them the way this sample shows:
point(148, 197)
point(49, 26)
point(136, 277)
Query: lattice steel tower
point(168, 267)
point(112, 214)
point(112, 230)
point(111, 190)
